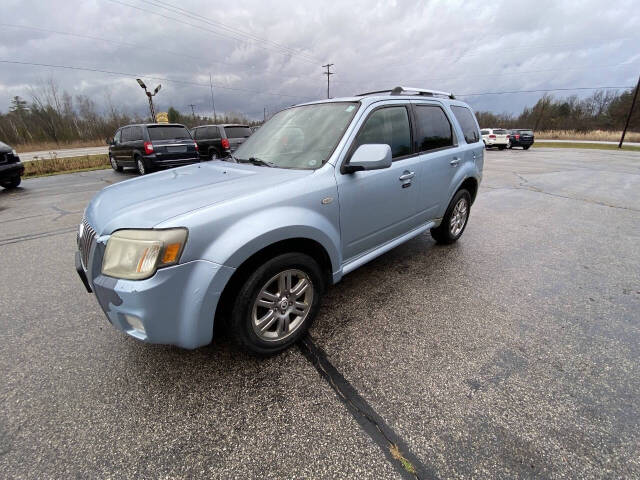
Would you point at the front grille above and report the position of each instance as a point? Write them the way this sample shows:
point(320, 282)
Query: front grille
point(86, 238)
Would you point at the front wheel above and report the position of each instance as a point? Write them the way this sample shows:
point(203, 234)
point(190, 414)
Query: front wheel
point(13, 182)
point(526, 147)
point(455, 219)
point(277, 303)
point(114, 164)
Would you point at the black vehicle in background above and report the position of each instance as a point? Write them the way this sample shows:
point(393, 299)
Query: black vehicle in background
point(219, 141)
point(521, 137)
point(147, 147)
point(11, 168)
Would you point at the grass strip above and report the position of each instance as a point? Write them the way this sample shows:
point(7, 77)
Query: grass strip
point(55, 165)
point(589, 146)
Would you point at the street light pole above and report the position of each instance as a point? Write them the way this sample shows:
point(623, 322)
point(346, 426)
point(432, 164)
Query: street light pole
point(150, 97)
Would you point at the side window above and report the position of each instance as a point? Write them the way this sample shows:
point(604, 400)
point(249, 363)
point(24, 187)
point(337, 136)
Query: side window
point(194, 133)
point(388, 125)
point(126, 134)
point(434, 128)
point(136, 134)
point(117, 136)
point(484, 132)
point(467, 123)
point(212, 132)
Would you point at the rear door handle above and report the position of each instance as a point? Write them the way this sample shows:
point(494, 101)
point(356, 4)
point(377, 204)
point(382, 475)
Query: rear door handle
point(454, 162)
point(407, 176)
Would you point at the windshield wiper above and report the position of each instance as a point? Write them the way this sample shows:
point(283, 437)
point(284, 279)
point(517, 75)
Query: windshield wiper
point(256, 161)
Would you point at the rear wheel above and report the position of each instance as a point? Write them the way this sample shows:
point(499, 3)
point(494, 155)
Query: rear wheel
point(142, 169)
point(526, 147)
point(501, 147)
point(12, 182)
point(277, 303)
point(455, 219)
point(213, 155)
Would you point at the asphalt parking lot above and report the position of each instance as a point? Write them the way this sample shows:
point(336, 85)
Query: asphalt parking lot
point(514, 353)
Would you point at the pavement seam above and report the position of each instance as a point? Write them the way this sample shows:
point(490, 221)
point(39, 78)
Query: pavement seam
point(33, 236)
point(394, 448)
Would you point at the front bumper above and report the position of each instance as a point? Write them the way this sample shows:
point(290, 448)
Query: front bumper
point(10, 170)
point(176, 306)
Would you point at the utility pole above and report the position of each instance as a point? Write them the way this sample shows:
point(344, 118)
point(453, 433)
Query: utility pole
point(328, 73)
point(150, 97)
point(213, 104)
point(626, 125)
point(193, 113)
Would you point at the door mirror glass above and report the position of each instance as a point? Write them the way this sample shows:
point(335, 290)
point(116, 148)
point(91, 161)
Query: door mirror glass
point(370, 156)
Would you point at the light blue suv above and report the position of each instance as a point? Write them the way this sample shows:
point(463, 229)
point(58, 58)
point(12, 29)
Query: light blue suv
point(319, 190)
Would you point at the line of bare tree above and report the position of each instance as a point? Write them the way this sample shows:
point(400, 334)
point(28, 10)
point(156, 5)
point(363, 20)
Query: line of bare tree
point(55, 116)
point(603, 110)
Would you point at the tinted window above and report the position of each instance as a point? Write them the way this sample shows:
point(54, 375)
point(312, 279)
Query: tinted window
point(213, 132)
point(483, 132)
point(237, 132)
point(433, 127)
point(526, 132)
point(195, 133)
point(388, 125)
point(136, 133)
point(500, 132)
point(169, 133)
point(126, 134)
point(467, 123)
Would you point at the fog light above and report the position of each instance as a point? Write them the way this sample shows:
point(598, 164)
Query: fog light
point(135, 323)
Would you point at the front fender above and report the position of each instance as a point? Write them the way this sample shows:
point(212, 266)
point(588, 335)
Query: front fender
point(241, 240)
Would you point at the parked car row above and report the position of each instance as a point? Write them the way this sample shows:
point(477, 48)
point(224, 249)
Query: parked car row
point(155, 146)
point(502, 138)
point(11, 168)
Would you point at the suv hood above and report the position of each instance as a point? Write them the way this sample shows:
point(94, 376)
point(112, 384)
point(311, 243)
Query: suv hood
point(145, 202)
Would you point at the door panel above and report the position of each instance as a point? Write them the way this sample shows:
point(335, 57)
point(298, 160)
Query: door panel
point(377, 206)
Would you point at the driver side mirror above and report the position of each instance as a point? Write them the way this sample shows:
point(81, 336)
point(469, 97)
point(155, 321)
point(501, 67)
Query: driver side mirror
point(371, 156)
point(109, 141)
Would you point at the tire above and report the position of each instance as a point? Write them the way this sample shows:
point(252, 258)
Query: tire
point(486, 146)
point(114, 164)
point(213, 155)
point(12, 183)
point(509, 146)
point(276, 312)
point(502, 147)
point(526, 147)
point(140, 166)
point(446, 234)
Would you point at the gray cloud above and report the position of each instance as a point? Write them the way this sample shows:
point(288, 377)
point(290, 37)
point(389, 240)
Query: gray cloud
point(465, 47)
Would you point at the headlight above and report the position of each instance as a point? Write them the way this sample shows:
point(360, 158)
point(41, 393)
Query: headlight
point(137, 254)
point(14, 152)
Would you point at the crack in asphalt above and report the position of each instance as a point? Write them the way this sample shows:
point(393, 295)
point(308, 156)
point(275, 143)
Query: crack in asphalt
point(394, 448)
point(33, 236)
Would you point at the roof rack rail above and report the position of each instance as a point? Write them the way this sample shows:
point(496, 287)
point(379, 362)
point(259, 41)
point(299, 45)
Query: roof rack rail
point(415, 91)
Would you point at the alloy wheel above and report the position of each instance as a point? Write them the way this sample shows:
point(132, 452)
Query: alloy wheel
point(282, 305)
point(459, 217)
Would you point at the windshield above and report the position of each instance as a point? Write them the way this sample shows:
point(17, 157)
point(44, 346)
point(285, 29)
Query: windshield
point(299, 137)
point(169, 133)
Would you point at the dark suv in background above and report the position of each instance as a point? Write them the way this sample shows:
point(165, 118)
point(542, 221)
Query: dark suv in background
point(219, 141)
point(521, 137)
point(147, 147)
point(11, 168)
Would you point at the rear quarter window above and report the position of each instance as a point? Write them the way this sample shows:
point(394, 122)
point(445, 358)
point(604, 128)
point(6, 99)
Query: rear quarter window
point(467, 123)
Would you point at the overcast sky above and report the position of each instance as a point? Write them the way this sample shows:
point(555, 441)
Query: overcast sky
point(270, 53)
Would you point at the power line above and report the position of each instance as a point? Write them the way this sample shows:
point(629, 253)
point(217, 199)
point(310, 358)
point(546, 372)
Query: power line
point(200, 27)
point(114, 42)
point(136, 75)
point(232, 30)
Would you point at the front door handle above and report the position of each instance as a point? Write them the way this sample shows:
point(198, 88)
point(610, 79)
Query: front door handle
point(407, 175)
point(454, 162)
